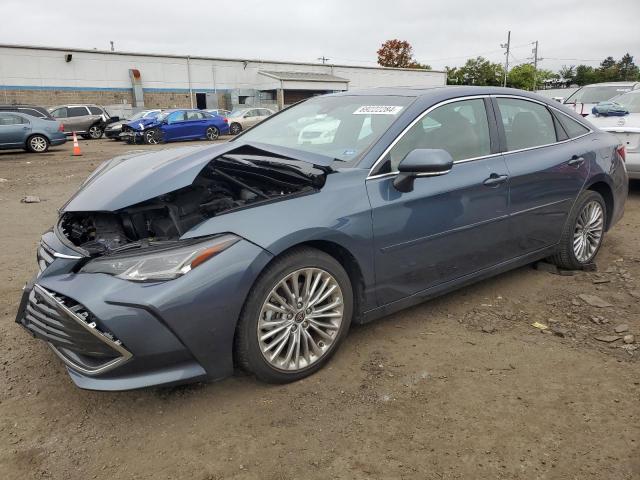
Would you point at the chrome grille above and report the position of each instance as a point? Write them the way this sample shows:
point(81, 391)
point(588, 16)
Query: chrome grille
point(72, 332)
point(45, 256)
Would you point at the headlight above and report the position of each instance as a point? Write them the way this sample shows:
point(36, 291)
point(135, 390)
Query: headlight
point(115, 127)
point(161, 264)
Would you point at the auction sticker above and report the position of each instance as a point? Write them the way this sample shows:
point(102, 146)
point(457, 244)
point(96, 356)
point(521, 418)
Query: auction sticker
point(377, 110)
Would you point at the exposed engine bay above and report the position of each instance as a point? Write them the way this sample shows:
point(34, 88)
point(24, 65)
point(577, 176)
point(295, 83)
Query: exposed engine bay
point(226, 184)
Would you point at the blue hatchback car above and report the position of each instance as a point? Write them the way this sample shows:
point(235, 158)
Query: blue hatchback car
point(19, 130)
point(177, 265)
point(175, 125)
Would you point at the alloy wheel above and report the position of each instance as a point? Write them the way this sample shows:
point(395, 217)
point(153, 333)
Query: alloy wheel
point(300, 319)
point(38, 144)
point(212, 133)
point(95, 132)
point(588, 231)
point(151, 137)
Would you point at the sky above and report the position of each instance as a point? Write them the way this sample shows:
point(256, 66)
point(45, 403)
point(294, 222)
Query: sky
point(347, 32)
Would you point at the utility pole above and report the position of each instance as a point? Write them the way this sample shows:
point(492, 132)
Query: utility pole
point(506, 57)
point(536, 59)
point(323, 59)
point(112, 47)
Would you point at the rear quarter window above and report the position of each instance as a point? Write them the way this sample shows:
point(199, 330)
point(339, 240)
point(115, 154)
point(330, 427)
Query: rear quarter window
point(573, 128)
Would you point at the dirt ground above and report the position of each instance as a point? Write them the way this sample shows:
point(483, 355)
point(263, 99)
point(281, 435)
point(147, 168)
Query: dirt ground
point(460, 387)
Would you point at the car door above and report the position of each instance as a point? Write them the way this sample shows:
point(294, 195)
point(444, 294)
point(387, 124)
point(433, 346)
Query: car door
point(251, 118)
point(176, 126)
point(196, 126)
point(14, 129)
point(448, 226)
point(547, 170)
point(76, 120)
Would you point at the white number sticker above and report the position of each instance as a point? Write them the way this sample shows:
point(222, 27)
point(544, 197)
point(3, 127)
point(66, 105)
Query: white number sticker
point(377, 110)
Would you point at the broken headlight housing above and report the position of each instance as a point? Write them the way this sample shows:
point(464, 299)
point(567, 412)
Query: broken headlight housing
point(160, 264)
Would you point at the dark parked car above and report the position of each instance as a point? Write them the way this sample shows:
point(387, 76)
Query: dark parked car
point(88, 121)
point(19, 130)
point(175, 125)
point(172, 266)
point(33, 110)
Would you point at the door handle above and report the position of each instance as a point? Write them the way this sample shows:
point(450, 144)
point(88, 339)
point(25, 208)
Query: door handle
point(494, 180)
point(576, 161)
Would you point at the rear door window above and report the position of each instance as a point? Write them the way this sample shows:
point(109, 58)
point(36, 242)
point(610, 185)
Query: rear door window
point(77, 111)
point(526, 124)
point(95, 111)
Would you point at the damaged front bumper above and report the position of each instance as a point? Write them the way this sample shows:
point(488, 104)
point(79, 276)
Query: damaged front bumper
point(115, 334)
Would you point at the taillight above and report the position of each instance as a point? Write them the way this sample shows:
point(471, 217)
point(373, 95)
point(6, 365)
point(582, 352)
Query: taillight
point(60, 127)
point(622, 152)
point(226, 120)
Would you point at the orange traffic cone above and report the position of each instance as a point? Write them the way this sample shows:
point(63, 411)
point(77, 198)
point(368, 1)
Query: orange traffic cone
point(76, 147)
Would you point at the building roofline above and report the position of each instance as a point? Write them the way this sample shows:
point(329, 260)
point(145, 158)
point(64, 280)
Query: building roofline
point(198, 57)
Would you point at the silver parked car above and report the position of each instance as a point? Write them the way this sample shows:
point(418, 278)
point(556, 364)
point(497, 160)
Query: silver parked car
point(19, 130)
point(89, 121)
point(244, 118)
point(585, 98)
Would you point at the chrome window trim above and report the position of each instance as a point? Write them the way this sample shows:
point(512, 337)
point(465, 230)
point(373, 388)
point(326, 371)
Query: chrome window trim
point(125, 354)
point(464, 160)
point(416, 120)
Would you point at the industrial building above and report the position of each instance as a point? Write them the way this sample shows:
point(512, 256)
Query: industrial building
point(51, 76)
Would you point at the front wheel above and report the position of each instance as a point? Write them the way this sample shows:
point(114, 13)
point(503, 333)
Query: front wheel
point(583, 232)
point(212, 133)
point(153, 136)
point(37, 144)
point(235, 128)
point(95, 132)
point(295, 317)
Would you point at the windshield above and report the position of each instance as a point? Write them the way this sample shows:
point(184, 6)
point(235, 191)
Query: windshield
point(597, 94)
point(143, 114)
point(630, 101)
point(340, 127)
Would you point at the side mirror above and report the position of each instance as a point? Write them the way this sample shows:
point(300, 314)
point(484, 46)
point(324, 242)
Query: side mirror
point(421, 162)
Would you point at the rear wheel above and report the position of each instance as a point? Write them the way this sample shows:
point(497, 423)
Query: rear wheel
point(212, 133)
point(235, 128)
point(95, 132)
point(37, 144)
point(583, 232)
point(295, 317)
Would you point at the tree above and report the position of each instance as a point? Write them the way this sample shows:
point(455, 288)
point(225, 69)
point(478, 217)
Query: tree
point(608, 71)
point(585, 75)
point(627, 70)
point(399, 54)
point(476, 71)
point(522, 76)
point(395, 53)
point(568, 73)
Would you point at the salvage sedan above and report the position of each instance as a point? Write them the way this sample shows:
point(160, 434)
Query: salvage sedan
point(176, 265)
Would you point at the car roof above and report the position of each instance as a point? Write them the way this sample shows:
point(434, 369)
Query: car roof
point(436, 92)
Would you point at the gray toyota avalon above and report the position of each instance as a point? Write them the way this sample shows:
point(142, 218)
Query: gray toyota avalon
point(176, 265)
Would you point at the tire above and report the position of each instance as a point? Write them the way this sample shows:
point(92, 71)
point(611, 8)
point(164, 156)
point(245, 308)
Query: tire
point(37, 144)
point(152, 136)
point(296, 331)
point(212, 133)
point(95, 132)
point(235, 128)
point(580, 245)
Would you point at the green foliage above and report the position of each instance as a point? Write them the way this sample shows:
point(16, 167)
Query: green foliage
point(477, 71)
point(522, 76)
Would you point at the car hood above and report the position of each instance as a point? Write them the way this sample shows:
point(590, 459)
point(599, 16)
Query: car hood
point(137, 124)
point(142, 175)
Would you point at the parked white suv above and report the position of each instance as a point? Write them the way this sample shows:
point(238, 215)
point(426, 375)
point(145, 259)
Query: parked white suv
point(585, 98)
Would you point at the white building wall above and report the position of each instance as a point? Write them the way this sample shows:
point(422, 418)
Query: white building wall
point(46, 68)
